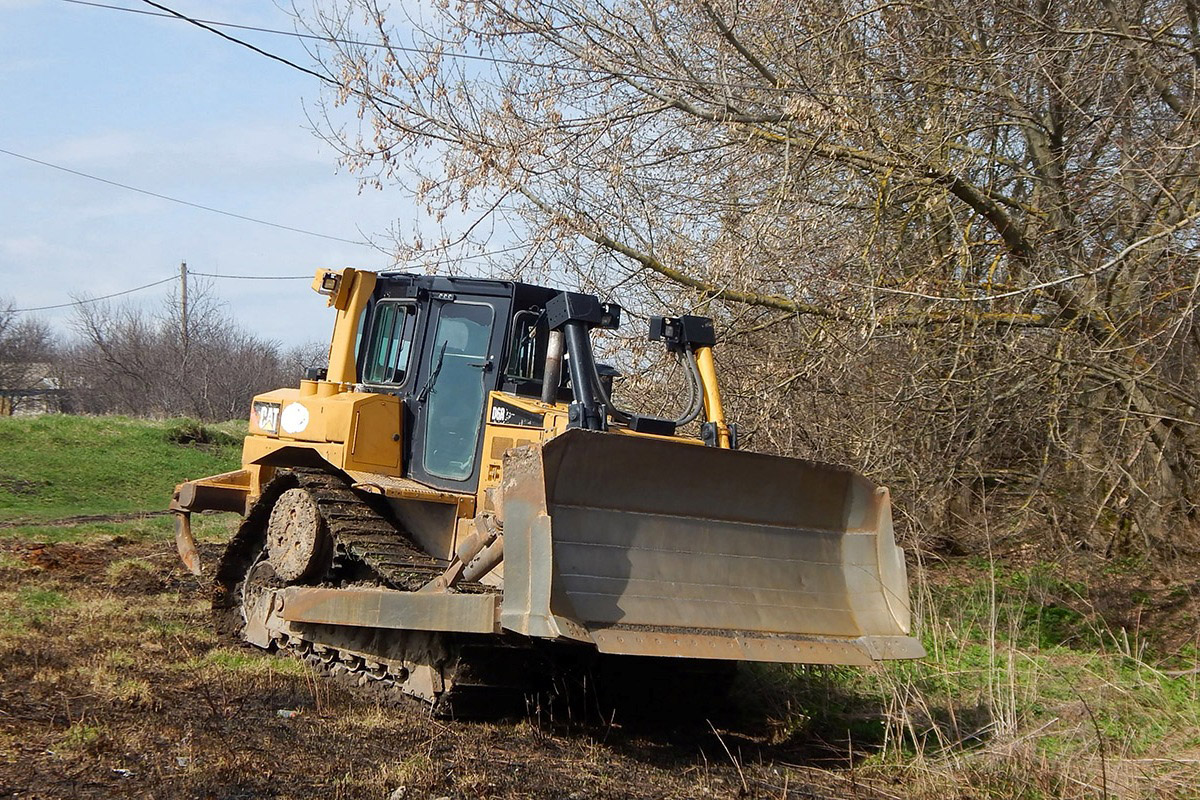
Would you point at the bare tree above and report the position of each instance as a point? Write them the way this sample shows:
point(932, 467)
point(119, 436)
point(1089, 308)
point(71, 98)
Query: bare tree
point(129, 361)
point(953, 242)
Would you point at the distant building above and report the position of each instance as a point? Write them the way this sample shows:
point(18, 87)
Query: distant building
point(33, 390)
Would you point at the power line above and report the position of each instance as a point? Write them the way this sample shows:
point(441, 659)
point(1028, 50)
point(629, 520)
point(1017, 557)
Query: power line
point(92, 299)
point(423, 51)
point(253, 277)
point(183, 202)
point(87, 300)
point(260, 51)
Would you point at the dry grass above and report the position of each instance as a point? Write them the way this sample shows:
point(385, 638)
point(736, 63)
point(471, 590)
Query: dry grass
point(1017, 698)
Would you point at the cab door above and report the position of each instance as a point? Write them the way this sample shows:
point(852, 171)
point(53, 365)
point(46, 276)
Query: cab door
point(462, 343)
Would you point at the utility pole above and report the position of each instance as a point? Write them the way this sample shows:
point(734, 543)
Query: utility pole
point(183, 311)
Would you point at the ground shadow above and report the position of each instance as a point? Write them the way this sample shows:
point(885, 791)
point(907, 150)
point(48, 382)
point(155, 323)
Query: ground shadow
point(806, 717)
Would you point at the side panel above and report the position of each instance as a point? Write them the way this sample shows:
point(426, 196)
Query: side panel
point(353, 431)
point(374, 440)
point(384, 608)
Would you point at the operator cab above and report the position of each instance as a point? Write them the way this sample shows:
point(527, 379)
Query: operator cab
point(442, 344)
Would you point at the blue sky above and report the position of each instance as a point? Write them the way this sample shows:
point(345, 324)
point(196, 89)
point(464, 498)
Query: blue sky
point(164, 106)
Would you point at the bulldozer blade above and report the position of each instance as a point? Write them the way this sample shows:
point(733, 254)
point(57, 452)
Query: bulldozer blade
point(647, 546)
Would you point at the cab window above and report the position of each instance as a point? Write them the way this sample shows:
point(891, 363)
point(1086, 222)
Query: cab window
point(527, 358)
point(390, 343)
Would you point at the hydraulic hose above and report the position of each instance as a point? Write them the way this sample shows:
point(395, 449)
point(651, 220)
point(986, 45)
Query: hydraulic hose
point(696, 385)
point(695, 393)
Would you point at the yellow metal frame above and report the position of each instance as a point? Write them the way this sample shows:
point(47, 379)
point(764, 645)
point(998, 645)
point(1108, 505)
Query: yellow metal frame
point(713, 411)
point(354, 288)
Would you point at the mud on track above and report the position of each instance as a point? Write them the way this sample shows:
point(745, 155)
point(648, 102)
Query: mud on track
point(112, 685)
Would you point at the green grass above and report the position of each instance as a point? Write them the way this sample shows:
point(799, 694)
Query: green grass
point(1019, 683)
point(214, 527)
point(246, 662)
point(1029, 606)
point(34, 599)
point(51, 533)
point(81, 737)
point(57, 466)
point(30, 606)
point(127, 567)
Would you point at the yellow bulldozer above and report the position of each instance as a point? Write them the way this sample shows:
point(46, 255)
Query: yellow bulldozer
point(456, 501)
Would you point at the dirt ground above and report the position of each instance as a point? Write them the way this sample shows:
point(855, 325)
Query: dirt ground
point(112, 685)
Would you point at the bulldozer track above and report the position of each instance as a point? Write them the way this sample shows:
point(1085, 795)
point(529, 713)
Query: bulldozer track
point(489, 679)
point(361, 530)
point(481, 675)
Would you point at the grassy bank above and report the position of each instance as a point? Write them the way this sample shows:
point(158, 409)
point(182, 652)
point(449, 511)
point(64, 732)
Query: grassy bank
point(53, 467)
